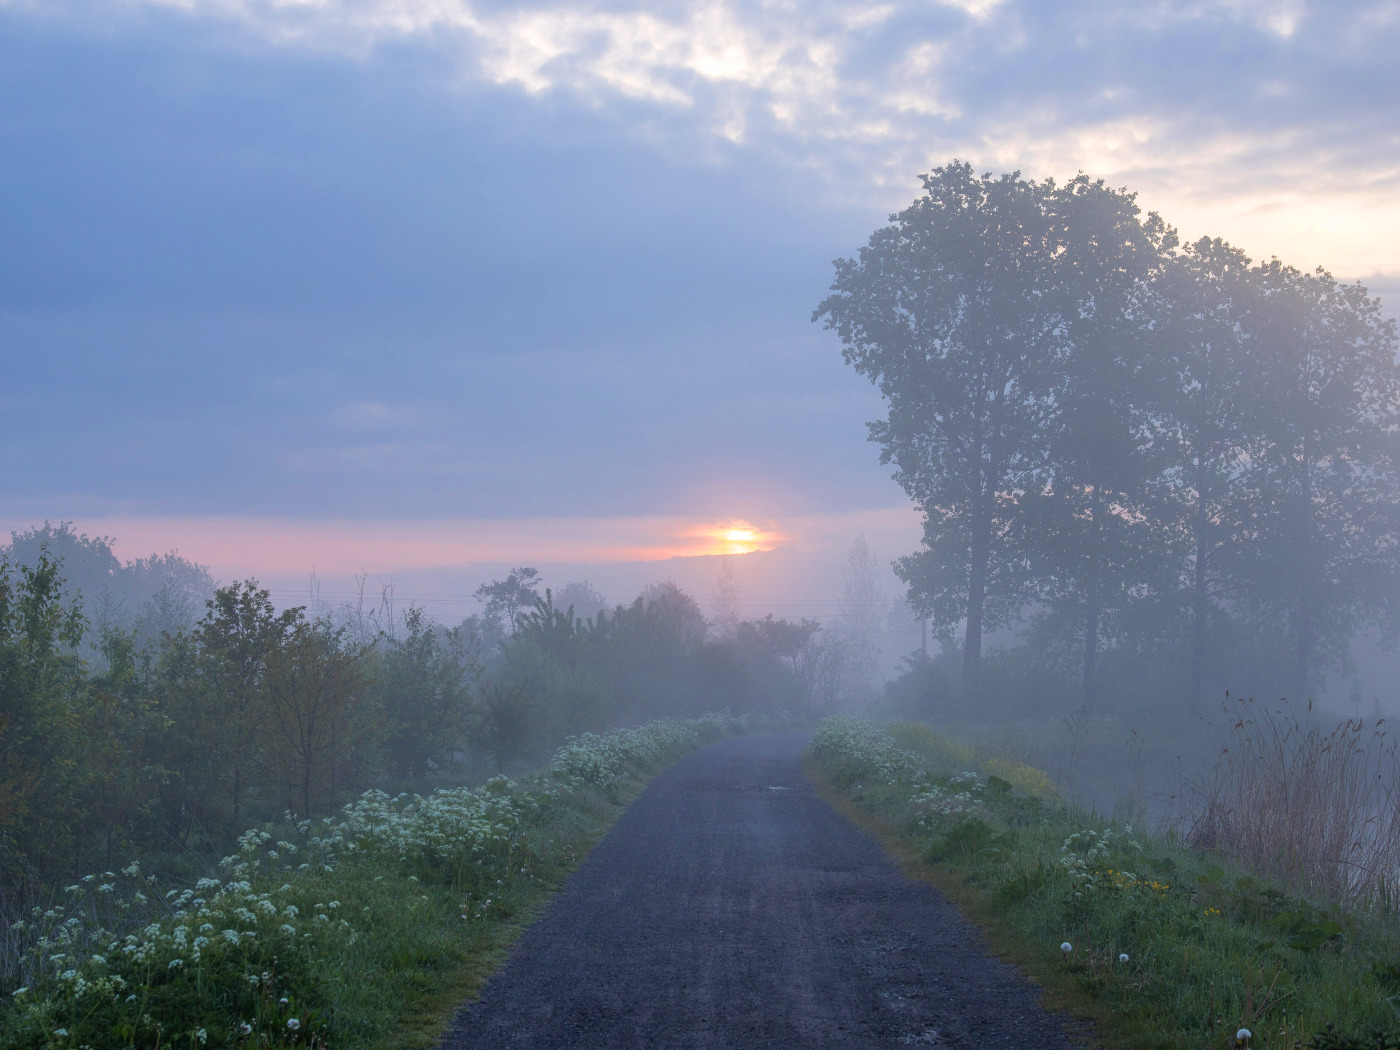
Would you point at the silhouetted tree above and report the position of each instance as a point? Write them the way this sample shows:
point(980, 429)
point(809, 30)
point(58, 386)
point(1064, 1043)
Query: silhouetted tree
point(1328, 553)
point(951, 311)
point(1090, 532)
point(507, 597)
point(1206, 428)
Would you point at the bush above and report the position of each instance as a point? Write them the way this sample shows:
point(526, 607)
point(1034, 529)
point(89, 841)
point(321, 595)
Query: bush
point(254, 957)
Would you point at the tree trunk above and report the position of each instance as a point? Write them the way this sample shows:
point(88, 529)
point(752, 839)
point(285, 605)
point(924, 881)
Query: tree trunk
point(1093, 601)
point(1092, 606)
point(1303, 624)
point(976, 598)
point(1200, 598)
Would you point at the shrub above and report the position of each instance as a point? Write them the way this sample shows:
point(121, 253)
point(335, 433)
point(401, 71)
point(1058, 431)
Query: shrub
point(246, 959)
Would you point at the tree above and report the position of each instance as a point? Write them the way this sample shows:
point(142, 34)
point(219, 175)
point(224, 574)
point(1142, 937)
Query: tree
point(41, 732)
point(1087, 521)
point(126, 735)
point(1327, 557)
point(950, 311)
point(1206, 428)
point(583, 598)
point(426, 683)
point(517, 591)
point(316, 686)
point(726, 598)
point(863, 613)
point(237, 636)
point(162, 593)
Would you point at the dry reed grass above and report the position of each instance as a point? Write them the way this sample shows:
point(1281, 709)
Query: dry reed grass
point(1290, 800)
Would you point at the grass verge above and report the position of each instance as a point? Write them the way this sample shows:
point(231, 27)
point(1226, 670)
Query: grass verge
point(363, 931)
point(1157, 945)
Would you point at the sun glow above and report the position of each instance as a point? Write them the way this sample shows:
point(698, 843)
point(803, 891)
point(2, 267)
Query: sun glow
point(735, 537)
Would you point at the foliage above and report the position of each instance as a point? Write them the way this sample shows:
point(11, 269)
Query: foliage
point(945, 310)
point(1177, 465)
point(257, 956)
point(1166, 945)
point(148, 597)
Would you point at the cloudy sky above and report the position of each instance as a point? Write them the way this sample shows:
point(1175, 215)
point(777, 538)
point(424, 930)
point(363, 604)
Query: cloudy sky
point(411, 284)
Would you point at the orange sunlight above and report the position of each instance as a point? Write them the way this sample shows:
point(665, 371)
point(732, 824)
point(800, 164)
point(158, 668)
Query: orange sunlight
point(734, 537)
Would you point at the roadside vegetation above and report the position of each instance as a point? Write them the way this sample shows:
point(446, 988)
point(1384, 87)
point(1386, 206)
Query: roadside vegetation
point(165, 734)
point(387, 765)
point(364, 929)
point(1264, 914)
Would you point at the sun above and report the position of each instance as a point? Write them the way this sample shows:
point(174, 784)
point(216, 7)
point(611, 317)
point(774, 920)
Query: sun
point(735, 536)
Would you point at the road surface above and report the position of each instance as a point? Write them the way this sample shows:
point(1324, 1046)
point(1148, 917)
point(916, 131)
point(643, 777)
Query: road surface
point(730, 908)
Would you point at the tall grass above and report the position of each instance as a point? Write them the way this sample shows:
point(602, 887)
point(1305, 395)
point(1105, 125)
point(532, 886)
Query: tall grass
point(1318, 810)
point(1165, 943)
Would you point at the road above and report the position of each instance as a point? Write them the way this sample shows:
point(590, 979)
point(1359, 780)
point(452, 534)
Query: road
point(730, 908)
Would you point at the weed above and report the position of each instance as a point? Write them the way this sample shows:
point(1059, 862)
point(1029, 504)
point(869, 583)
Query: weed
point(1171, 946)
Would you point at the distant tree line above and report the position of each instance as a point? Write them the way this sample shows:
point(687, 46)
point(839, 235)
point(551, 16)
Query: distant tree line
point(237, 711)
point(1161, 462)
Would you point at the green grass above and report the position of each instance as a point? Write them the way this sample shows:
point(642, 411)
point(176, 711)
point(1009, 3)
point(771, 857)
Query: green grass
point(1210, 949)
point(399, 988)
point(363, 931)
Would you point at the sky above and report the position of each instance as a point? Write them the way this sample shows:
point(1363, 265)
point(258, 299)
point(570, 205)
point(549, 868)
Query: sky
point(422, 288)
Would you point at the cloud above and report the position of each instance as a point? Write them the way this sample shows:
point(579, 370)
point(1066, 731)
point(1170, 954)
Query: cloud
point(1210, 109)
point(466, 258)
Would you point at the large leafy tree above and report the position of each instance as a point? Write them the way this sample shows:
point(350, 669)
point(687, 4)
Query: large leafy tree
point(1205, 427)
point(951, 311)
point(1087, 522)
point(1326, 482)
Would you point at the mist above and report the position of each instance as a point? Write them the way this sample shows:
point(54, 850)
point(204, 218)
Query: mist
point(593, 524)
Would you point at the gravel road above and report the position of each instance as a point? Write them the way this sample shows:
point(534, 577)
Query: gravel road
point(731, 908)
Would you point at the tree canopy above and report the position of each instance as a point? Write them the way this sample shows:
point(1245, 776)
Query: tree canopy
point(1135, 442)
